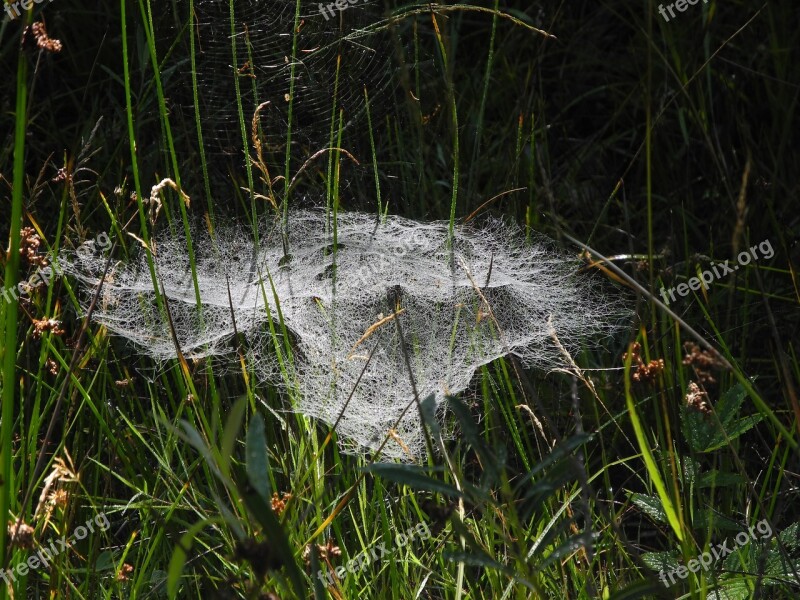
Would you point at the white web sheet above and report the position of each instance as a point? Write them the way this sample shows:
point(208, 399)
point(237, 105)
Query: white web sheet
point(340, 306)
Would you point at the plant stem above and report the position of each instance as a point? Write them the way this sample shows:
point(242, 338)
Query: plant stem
point(9, 351)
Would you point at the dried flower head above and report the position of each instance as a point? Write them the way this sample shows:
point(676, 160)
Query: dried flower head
point(29, 243)
point(697, 399)
point(52, 367)
point(20, 535)
point(62, 472)
point(279, 504)
point(41, 326)
point(643, 373)
point(326, 552)
point(124, 573)
point(44, 42)
point(60, 176)
point(60, 498)
point(702, 361)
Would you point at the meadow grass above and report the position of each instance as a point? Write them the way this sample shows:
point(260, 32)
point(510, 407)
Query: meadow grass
point(650, 148)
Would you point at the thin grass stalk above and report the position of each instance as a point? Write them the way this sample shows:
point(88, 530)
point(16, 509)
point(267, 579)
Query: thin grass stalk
point(482, 108)
point(9, 351)
point(147, 17)
point(531, 214)
point(648, 141)
point(196, 98)
point(37, 417)
point(330, 190)
point(137, 182)
point(290, 117)
point(145, 235)
point(243, 128)
point(454, 115)
point(671, 510)
point(374, 157)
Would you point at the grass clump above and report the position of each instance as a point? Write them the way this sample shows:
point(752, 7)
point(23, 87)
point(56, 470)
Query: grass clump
point(648, 149)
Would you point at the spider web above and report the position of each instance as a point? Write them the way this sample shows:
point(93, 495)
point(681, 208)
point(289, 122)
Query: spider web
point(456, 306)
point(334, 62)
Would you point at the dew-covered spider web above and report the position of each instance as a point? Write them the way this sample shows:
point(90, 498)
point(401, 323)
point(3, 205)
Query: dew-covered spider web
point(368, 308)
point(457, 306)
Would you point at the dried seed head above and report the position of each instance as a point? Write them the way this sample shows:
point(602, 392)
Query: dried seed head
point(20, 535)
point(60, 498)
point(41, 326)
point(60, 176)
point(29, 243)
point(38, 32)
point(697, 399)
point(52, 367)
point(279, 504)
point(124, 573)
point(326, 552)
point(701, 361)
point(643, 373)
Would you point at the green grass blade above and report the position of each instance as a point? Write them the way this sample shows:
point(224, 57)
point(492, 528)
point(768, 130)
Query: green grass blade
point(11, 312)
point(650, 463)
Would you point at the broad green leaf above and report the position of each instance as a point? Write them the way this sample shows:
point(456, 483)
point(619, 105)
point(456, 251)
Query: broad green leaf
point(705, 518)
point(179, 554)
point(275, 534)
point(639, 589)
point(651, 506)
point(716, 478)
point(790, 536)
point(660, 561)
point(732, 589)
point(413, 476)
point(257, 459)
point(429, 414)
point(230, 433)
point(734, 431)
point(691, 469)
point(703, 432)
